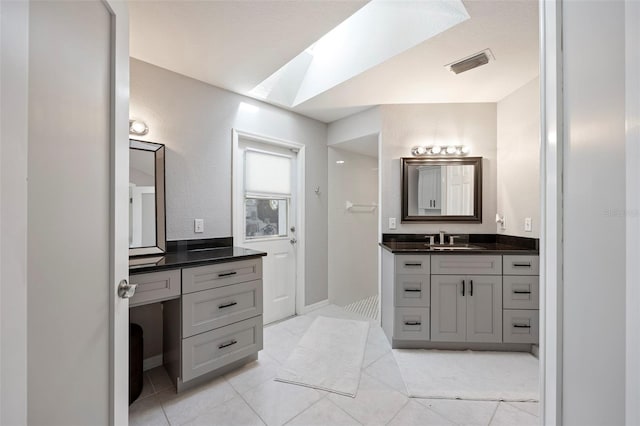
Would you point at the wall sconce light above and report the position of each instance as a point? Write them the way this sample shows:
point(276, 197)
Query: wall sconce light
point(138, 127)
point(420, 151)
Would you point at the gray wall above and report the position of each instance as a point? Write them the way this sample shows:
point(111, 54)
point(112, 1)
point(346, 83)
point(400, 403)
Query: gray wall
point(518, 161)
point(594, 214)
point(404, 126)
point(194, 120)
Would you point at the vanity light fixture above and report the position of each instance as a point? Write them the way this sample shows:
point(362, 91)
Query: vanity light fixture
point(138, 127)
point(436, 150)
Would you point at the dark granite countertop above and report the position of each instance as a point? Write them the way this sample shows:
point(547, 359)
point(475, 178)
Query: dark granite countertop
point(485, 243)
point(188, 255)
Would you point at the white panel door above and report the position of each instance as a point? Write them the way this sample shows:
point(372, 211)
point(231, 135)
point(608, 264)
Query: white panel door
point(264, 219)
point(78, 212)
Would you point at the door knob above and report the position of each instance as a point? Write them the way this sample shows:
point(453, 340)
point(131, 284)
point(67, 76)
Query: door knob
point(293, 229)
point(126, 290)
point(293, 241)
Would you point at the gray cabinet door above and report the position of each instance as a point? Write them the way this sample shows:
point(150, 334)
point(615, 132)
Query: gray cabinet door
point(448, 308)
point(520, 292)
point(220, 274)
point(412, 324)
point(521, 265)
point(413, 264)
point(484, 308)
point(521, 326)
point(155, 287)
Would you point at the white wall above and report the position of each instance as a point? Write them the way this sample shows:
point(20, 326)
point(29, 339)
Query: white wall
point(404, 126)
point(353, 237)
point(194, 120)
point(14, 62)
point(354, 126)
point(518, 160)
point(594, 213)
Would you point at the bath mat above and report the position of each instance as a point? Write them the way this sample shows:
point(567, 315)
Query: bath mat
point(328, 357)
point(475, 375)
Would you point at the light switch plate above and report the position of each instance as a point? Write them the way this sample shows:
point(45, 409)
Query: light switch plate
point(198, 226)
point(392, 223)
point(527, 224)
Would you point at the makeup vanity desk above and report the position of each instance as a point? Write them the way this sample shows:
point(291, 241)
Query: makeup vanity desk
point(212, 306)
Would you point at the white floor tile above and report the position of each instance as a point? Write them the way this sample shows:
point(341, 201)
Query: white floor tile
point(277, 403)
point(234, 412)
point(323, 413)
point(192, 403)
point(507, 415)
point(160, 379)
point(386, 370)
point(415, 414)
point(529, 407)
point(146, 412)
point(461, 412)
point(279, 342)
point(253, 374)
point(147, 387)
point(375, 403)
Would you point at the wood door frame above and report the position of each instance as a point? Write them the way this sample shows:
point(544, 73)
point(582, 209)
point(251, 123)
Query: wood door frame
point(299, 204)
point(119, 226)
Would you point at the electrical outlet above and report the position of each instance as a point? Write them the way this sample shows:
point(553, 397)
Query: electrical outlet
point(527, 224)
point(392, 223)
point(198, 226)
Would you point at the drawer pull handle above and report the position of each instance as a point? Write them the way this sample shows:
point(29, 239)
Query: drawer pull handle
point(521, 326)
point(521, 292)
point(413, 290)
point(522, 265)
point(462, 288)
point(227, 305)
point(471, 288)
point(226, 345)
point(227, 274)
point(412, 323)
point(413, 264)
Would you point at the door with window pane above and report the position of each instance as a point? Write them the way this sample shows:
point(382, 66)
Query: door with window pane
point(266, 219)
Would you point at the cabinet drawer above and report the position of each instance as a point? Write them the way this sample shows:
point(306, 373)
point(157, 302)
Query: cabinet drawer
point(520, 292)
point(155, 287)
point(411, 324)
point(220, 274)
point(466, 264)
point(412, 290)
point(205, 310)
point(521, 265)
point(520, 326)
point(209, 351)
point(412, 265)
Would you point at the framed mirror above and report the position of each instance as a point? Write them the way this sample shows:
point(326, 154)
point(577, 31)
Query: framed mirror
point(442, 189)
point(146, 198)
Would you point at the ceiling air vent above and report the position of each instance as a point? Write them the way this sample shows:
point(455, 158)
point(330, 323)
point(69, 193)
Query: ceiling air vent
point(471, 62)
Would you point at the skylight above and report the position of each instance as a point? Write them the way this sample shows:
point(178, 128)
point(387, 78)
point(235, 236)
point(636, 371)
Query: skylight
point(377, 32)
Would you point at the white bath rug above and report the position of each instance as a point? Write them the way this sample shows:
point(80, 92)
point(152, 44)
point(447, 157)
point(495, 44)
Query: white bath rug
point(328, 357)
point(475, 375)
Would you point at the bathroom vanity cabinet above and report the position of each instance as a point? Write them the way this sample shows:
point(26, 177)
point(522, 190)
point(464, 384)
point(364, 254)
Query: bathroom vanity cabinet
point(212, 315)
point(457, 301)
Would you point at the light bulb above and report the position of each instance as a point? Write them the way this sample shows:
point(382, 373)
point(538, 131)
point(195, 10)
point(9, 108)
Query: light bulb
point(138, 127)
point(421, 150)
point(436, 149)
point(451, 149)
point(465, 149)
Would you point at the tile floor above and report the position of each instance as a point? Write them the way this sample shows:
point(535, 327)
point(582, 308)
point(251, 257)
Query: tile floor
point(250, 396)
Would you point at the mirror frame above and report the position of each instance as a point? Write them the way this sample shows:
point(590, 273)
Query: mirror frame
point(159, 155)
point(476, 162)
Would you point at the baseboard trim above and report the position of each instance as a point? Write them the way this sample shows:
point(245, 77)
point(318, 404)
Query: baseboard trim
point(318, 305)
point(152, 362)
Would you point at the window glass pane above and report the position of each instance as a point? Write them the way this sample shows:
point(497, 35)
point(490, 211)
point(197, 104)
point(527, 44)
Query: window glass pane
point(267, 173)
point(265, 218)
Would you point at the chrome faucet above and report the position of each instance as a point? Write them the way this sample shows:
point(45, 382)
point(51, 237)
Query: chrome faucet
point(442, 237)
point(431, 239)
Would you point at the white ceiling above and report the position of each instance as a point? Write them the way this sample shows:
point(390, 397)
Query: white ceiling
point(237, 44)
